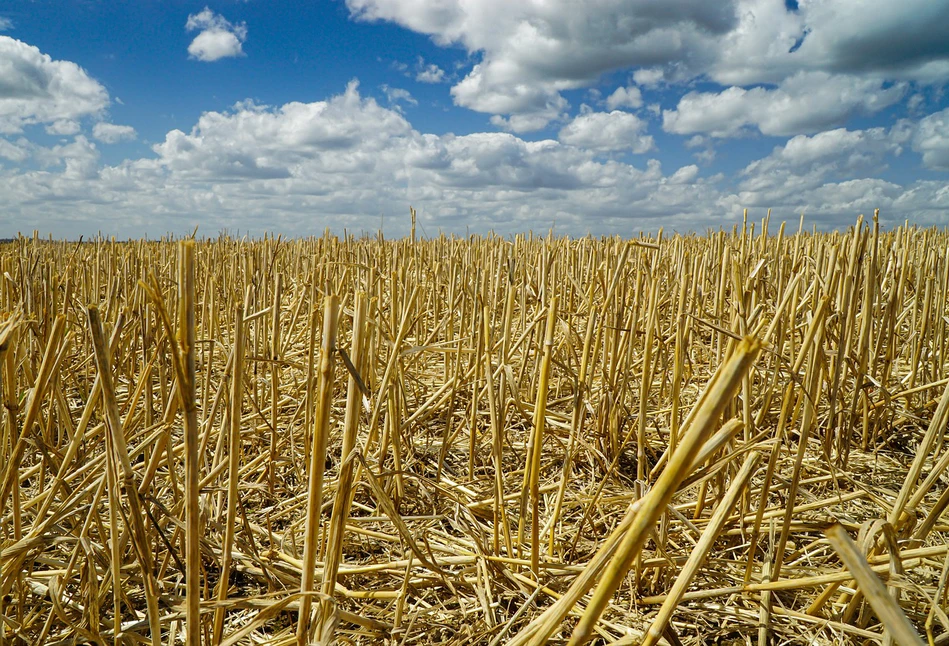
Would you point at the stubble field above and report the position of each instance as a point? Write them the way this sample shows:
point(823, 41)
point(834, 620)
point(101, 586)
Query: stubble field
point(728, 438)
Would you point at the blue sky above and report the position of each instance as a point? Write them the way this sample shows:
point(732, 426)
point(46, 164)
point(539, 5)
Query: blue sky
point(602, 117)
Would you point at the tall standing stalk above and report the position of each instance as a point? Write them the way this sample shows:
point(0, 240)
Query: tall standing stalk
point(535, 446)
point(186, 390)
point(274, 380)
point(341, 503)
point(321, 420)
point(233, 466)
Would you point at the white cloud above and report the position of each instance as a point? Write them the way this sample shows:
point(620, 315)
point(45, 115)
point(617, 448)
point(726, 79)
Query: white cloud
point(111, 133)
point(805, 103)
point(394, 95)
point(15, 152)
point(264, 143)
point(903, 40)
point(531, 107)
point(607, 131)
point(218, 38)
point(706, 156)
point(63, 127)
point(625, 97)
point(345, 160)
point(874, 38)
point(79, 158)
point(298, 167)
point(932, 140)
point(798, 172)
point(527, 122)
point(696, 141)
point(758, 49)
point(531, 52)
point(5, 24)
point(685, 175)
point(649, 77)
point(528, 53)
point(430, 73)
point(35, 89)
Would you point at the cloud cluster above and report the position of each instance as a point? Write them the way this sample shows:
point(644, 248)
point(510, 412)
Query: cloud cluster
point(347, 160)
point(759, 51)
point(429, 73)
point(111, 133)
point(217, 38)
point(804, 103)
point(35, 89)
point(531, 52)
point(344, 161)
point(607, 131)
point(625, 97)
point(932, 140)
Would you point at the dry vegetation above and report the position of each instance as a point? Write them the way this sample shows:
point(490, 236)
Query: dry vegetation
point(736, 438)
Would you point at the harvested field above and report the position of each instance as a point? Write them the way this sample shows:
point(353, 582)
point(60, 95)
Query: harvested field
point(731, 438)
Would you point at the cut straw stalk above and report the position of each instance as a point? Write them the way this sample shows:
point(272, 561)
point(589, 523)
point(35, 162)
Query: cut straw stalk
point(233, 469)
point(886, 608)
point(458, 331)
point(623, 544)
point(341, 503)
point(535, 446)
point(680, 463)
point(12, 472)
point(120, 456)
point(321, 420)
point(186, 390)
point(700, 551)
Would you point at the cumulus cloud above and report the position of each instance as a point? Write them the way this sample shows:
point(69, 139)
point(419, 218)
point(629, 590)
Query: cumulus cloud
point(607, 131)
point(63, 127)
point(625, 97)
point(805, 103)
point(35, 89)
point(873, 38)
point(932, 140)
point(531, 52)
point(904, 40)
point(648, 77)
point(527, 122)
point(218, 38)
point(298, 167)
point(396, 95)
point(111, 133)
point(79, 158)
point(5, 24)
point(528, 54)
point(799, 171)
point(706, 156)
point(428, 73)
point(345, 160)
point(531, 107)
point(15, 152)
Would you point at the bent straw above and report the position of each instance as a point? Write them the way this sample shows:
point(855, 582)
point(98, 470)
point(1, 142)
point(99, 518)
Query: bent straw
point(885, 607)
point(622, 545)
point(700, 551)
point(121, 457)
point(660, 495)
